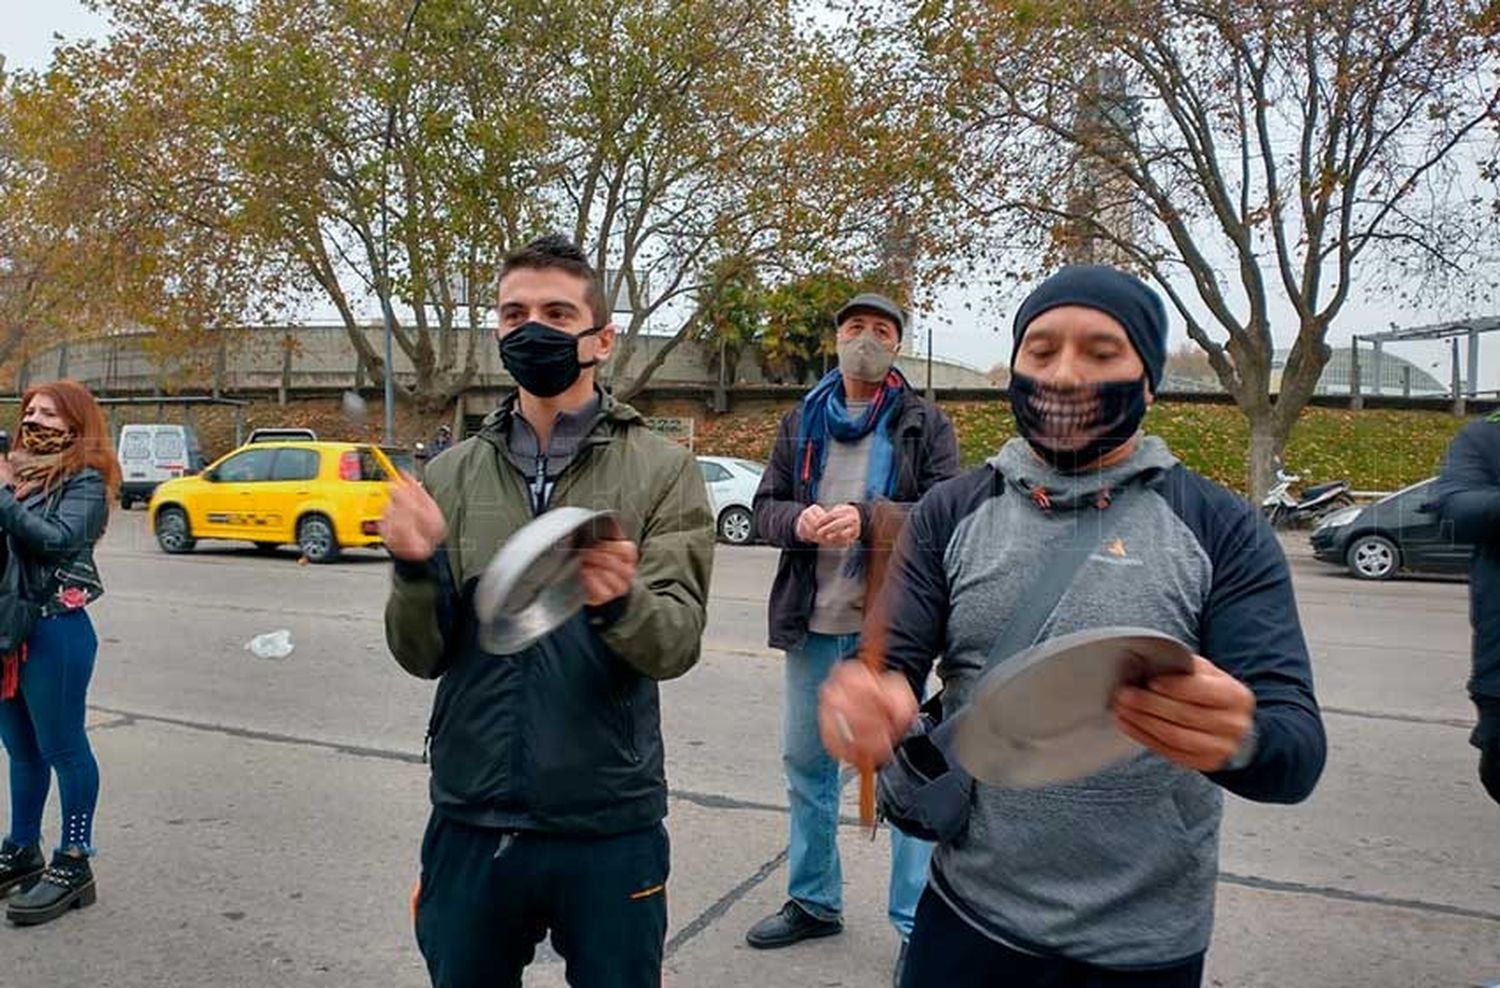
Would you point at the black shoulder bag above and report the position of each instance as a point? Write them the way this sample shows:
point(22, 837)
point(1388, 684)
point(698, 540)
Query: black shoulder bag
point(922, 791)
point(21, 602)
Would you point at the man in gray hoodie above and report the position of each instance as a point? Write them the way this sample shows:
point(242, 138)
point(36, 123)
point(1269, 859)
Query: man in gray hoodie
point(1107, 880)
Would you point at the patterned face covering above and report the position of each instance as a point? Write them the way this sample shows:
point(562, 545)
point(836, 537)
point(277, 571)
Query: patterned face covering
point(44, 440)
point(39, 461)
point(1072, 428)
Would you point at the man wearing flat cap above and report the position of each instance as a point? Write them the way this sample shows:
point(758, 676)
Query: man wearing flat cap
point(861, 436)
point(1105, 880)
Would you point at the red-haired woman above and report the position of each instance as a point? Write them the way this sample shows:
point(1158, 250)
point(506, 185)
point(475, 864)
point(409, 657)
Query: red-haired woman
point(54, 504)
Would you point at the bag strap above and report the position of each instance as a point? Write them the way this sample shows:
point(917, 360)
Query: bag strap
point(1043, 595)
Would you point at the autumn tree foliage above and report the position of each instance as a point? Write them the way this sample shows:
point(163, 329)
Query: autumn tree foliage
point(1243, 154)
point(386, 154)
point(111, 217)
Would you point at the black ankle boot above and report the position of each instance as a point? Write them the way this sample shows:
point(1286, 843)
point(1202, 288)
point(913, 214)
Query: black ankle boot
point(67, 883)
point(20, 867)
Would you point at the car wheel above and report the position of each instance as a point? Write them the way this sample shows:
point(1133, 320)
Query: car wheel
point(735, 526)
point(173, 533)
point(126, 503)
point(316, 539)
point(1373, 557)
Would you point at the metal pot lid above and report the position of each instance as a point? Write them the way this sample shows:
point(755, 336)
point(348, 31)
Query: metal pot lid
point(1043, 717)
point(531, 587)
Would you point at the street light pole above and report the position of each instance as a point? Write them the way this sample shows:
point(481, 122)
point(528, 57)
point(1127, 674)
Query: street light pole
point(387, 314)
point(1458, 382)
point(930, 393)
point(390, 383)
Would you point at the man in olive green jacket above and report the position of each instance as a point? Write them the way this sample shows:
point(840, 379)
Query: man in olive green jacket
point(548, 786)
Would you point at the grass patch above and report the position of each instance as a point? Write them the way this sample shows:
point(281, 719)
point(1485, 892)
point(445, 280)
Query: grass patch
point(1374, 450)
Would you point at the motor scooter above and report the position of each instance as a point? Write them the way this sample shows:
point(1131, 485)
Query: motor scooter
point(1285, 510)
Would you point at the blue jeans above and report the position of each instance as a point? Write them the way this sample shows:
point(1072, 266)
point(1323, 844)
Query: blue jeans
point(42, 730)
point(816, 880)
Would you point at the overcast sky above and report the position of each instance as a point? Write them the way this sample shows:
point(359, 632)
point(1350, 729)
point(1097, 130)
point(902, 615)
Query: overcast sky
point(968, 325)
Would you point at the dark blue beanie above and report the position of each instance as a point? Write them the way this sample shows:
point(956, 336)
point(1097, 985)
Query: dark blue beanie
point(1113, 292)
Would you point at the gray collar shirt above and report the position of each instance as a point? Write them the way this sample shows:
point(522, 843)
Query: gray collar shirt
point(542, 467)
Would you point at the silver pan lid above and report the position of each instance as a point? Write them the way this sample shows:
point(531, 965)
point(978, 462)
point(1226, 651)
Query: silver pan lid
point(531, 587)
point(1043, 717)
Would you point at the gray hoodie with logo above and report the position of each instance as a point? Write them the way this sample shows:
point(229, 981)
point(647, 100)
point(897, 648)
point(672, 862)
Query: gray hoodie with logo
point(1117, 869)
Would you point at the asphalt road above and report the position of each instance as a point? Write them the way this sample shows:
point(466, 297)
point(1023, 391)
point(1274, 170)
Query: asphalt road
point(260, 817)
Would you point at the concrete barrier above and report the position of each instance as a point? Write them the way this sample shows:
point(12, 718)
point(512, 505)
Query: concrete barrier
point(302, 359)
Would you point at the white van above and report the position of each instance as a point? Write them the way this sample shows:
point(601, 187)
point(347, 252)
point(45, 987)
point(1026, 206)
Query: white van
point(150, 454)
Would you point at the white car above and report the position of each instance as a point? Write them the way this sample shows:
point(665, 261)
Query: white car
point(731, 487)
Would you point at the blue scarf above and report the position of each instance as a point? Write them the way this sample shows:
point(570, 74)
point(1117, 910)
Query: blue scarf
point(825, 413)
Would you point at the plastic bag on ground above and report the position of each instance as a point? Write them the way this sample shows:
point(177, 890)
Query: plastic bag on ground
point(272, 645)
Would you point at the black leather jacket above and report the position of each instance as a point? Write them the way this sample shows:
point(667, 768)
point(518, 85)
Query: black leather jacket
point(55, 532)
point(926, 453)
point(1469, 492)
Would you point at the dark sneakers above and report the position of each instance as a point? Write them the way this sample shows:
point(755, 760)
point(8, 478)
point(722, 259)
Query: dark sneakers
point(20, 867)
point(67, 883)
point(792, 924)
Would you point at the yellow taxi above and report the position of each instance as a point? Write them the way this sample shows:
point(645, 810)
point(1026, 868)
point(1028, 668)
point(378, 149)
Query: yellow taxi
point(322, 496)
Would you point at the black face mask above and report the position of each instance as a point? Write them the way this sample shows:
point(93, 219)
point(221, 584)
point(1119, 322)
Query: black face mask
point(1071, 428)
point(543, 359)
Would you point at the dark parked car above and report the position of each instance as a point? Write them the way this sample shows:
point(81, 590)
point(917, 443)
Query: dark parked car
point(1398, 533)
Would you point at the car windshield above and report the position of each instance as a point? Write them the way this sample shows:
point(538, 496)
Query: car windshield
point(168, 446)
point(755, 468)
point(1420, 485)
point(402, 460)
point(137, 446)
point(369, 467)
point(281, 435)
